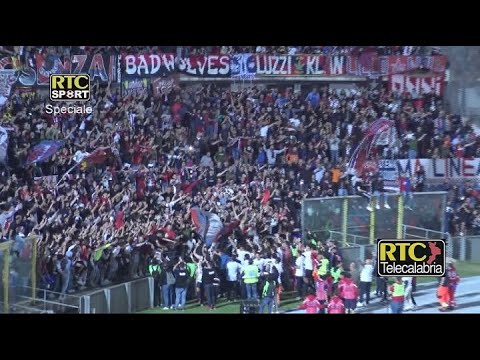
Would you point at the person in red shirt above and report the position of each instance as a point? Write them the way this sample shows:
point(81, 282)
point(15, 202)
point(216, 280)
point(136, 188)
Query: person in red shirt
point(460, 151)
point(137, 154)
point(140, 185)
point(119, 220)
point(453, 280)
point(168, 233)
point(335, 306)
point(321, 288)
point(311, 304)
point(348, 291)
point(443, 293)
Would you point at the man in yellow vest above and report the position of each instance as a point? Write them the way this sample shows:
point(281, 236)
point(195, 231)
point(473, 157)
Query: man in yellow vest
point(154, 271)
point(268, 295)
point(397, 290)
point(323, 265)
point(250, 278)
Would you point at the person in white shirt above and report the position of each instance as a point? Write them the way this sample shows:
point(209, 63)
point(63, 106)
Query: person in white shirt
point(264, 130)
point(3, 100)
point(308, 265)
point(333, 144)
point(366, 276)
point(295, 121)
point(410, 303)
point(272, 155)
point(206, 161)
point(300, 274)
point(241, 252)
point(7, 215)
point(319, 172)
point(259, 262)
point(198, 280)
point(233, 270)
point(278, 251)
point(246, 260)
point(70, 252)
point(279, 266)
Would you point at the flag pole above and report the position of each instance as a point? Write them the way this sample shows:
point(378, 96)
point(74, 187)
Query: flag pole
point(68, 172)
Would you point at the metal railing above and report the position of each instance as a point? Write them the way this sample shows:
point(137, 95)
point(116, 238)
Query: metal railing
point(355, 253)
point(466, 248)
point(414, 232)
point(423, 233)
point(463, 248)
point(321, 215)
point(129, 297)
point(44, 301)
point(126, 298)
point(350, 238)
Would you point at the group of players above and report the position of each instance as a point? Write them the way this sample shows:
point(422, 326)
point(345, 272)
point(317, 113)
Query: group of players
point(341, 298)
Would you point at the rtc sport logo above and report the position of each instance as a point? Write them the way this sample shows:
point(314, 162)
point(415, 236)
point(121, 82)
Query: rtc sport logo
point(69, 88)
point(411, 257)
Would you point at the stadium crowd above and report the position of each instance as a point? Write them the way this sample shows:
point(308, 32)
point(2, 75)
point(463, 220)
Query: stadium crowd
point(249, 156)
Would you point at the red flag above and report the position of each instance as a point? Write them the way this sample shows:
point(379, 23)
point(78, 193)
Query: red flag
point(119, 223)
point(188, 188)
point(228, 229)
point(266, 197)
point(99, 156)
point(140, 182)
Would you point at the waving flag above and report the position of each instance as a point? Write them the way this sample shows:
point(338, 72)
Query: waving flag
point(3, 144)
point(99, 156)
point(44, 150)
point(207, 225)
point(380, 132)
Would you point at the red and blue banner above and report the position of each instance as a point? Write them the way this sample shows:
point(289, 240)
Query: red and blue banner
point(207, 225)
point(44, 151)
